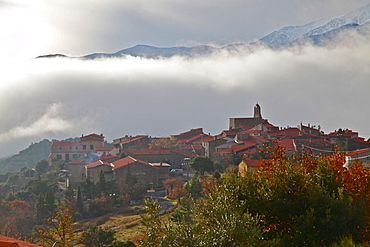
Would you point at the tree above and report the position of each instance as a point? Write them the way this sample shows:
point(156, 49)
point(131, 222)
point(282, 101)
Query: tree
point(45, 206)
point(96, 236)
point(58, 231)
point(133, 188)
point(194, 187)
point(289, 201)
point(79, 200)
point(174, 187)
point(69, 196)
point(102, 184)
point(42, 166)
point(215, 221)
point(88, 189)
point(19, 219)
point(202, 164)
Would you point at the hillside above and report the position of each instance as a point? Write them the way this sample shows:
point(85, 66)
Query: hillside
point(26, 158)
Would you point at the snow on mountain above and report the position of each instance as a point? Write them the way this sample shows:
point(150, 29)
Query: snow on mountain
point(318, 32)
point(286, 35)
point(359, 17)
point(153, 52)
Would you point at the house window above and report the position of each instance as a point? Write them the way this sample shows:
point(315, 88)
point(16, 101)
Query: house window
point(59, 156)
point(67, 156)
point(84, 147)
point(76, 148)
point(91, 147)
point(75, 156)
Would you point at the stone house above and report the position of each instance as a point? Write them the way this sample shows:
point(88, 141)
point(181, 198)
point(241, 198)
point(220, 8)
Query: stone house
point(76, 168)
point(173, 157)
point(107, 151)
point(362, 156)
point(144, 171)
point(163, 171)
point(62, 152)
point(121, 168)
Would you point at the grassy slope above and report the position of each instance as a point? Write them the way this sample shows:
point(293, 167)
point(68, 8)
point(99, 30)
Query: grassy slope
point(126, 223)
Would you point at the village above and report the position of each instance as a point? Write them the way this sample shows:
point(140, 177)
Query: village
point(153, 159)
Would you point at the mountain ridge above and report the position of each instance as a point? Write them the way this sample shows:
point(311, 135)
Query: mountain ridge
point(324, 29)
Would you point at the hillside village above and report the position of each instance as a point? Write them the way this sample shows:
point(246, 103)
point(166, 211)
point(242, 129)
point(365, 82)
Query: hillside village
point(151, 159)
point(106, 186)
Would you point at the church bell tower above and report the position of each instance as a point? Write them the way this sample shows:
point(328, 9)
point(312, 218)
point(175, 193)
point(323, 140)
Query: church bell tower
point(257, 111)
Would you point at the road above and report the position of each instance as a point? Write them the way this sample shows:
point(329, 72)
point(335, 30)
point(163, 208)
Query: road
point(159, 196)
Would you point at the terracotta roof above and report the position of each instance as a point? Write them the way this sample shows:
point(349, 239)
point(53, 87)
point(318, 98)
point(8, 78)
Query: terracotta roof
point(192, 138)
point(208, 139)
point(66, 144)
point(77, 161)
point(12, 242)
point(358, 152)
point(104, 149)
point(287, 133)
point(250, 151)
point(289, 144)
point(247, 141)
point(242, 128)
point(107, 157)
point(184, 153)
point(192, 130)
point(313, 142)
point(193, 147)
point(252, 163)
point(98, 163)
point(346, 133)
point(235, 148)
point(95, 135)
point(268, 125)
point(251, 131)
point(362, 140)
point(258, 139)
point(128, 160)
point(147, 151)
point(135, 138)
point(229, 133)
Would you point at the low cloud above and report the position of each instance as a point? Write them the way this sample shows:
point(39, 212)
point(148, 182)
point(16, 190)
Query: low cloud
point(51, 121)
point(60, 98)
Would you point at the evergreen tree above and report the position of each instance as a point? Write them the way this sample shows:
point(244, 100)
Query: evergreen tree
point(194, 187)
point(102, 184)
point(79, 200)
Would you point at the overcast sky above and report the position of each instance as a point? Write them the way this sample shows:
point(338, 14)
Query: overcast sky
point(61, 98)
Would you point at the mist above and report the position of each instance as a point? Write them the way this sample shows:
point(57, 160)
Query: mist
point(64, 97)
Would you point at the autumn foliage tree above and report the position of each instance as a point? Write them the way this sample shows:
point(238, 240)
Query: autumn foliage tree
point(175, 188)
point(19, 219)
point(303, 200)
point(58, 231)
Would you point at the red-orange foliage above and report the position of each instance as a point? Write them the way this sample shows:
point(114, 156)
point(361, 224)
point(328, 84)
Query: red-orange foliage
point(209, 183)
point(174, 187)
point(354, 180)
point(20, 219)
point(277, 159)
